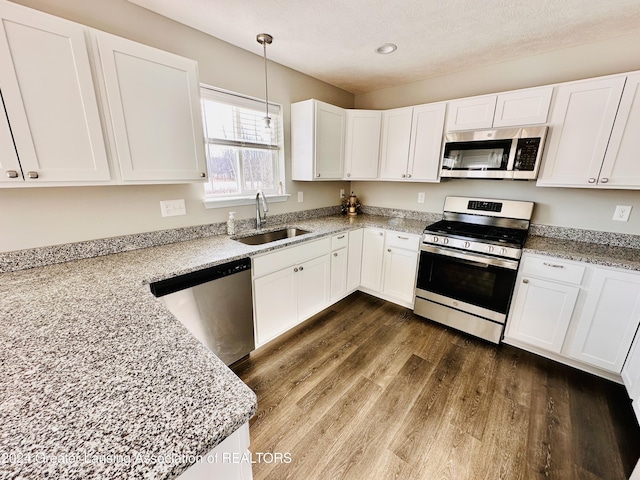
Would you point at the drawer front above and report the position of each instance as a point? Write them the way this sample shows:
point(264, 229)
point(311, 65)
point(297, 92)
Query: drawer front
point(286, 257)
point(340, 240)
point(553, 269)
point(402, 240)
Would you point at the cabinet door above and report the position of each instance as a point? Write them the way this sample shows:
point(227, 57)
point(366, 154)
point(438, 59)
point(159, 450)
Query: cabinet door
point(154, 103)
point(362, 144)
point(354, 259)
point(609, 320)
point(372, 256)
point(471, 113)
point(400, 269)
point(329, 142)
point(581, 121)
point(396, 136)
point(541, 312)
point(313, 281)
point(621, 167)
point(50, 99)
point(426, 142)
point(10, 171)
point(339, 261)
point(275, 304)
point(523, 107)
point(631, 371)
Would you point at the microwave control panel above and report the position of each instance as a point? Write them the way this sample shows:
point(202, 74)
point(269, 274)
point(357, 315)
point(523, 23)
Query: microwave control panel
point(526, 154)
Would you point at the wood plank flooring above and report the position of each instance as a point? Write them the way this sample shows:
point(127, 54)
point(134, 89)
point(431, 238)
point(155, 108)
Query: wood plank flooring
point(367, 390)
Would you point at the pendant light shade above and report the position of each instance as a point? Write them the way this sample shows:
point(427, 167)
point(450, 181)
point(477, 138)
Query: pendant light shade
point(265, 39)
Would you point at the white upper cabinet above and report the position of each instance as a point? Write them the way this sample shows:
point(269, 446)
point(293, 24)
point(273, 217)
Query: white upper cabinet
point(9, 165)
point(50, 101)
point(153, 100)
point(426, 142)
point(362, 145)
point(581, 121)
point(317, 141)
point(471, 113)
point(521, 107)
point(396, 138)
point(621, 167)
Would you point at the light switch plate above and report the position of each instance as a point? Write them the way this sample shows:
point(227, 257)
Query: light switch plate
point(622, 213)
point(420, 197)
point(341, 192)
point(172, 208)
point(300, 197)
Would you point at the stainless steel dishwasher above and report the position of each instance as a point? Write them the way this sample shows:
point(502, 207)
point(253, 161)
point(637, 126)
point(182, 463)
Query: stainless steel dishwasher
point(215, 304)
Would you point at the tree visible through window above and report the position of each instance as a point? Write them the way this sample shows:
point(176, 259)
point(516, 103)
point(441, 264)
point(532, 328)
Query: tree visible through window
point(242, 156)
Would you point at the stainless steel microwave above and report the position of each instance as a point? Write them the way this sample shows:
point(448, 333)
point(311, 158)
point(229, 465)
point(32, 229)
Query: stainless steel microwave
point(499, 153)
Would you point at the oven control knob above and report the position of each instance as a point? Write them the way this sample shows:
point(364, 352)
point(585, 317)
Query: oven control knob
point(490, 249)
point(435, 239)
point(466, 245)
point(445, 241)
point(502, 251)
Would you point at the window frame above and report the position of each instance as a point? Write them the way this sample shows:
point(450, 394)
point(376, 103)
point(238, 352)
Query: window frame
point(245, 197)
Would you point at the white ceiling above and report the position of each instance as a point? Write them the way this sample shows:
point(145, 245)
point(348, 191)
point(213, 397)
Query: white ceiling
point(334, 40)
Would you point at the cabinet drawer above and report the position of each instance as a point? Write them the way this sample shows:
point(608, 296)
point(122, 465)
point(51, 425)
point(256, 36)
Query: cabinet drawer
point(553, 269)
point(340, 241)
point(273, 261)
point(402, 240)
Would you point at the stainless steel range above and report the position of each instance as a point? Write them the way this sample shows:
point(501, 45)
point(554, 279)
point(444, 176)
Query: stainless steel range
point(468, 264)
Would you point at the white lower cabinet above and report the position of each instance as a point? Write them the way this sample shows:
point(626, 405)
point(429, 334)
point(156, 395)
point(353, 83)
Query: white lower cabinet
point(230, 460)
point(390, 265)
point(289, 286)
point(576, 313)
point(354, 260)
point(631, 373)
point(339, 265)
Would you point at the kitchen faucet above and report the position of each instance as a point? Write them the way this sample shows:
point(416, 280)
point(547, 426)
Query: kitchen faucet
point(265, 208)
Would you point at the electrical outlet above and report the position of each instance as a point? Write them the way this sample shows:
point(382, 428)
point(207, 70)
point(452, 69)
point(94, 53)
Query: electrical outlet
point(171, 208)
point(341, 193)
point(420, 197)
point(622, 213)
point(300, 197)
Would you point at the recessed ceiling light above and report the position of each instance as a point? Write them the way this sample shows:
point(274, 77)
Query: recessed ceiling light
point(386, 48)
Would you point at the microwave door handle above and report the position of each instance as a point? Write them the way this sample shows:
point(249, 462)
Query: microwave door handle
point(512, 154)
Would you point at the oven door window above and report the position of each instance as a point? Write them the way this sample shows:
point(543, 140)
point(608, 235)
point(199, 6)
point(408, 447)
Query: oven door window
point(482, 285)
point(477, 155)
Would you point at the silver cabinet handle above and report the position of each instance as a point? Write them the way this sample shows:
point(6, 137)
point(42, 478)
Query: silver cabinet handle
point(335, 254)
point(381, 233)
point(32, 174)
point(340, 237)
point(301, 268)
point(408, 175)
point(403, 238)
point(604, 180)
point(12, 174)
point(553, 265)
point(524, 280)
point(317, 175)
point(202, 174)
point(348, 175)
point(592, 180)
point(295, 269)
point(389, 250)
point(404, 176)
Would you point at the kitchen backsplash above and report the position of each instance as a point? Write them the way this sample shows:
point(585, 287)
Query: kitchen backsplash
point(38, 257)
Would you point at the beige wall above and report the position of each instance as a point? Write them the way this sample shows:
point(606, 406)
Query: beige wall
point(579, 208)
point(33, 217)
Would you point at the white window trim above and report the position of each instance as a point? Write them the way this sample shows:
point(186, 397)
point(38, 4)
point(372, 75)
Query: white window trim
point(243, 199)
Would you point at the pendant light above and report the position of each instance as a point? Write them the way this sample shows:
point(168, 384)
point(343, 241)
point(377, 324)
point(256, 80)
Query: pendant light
point(265, 39)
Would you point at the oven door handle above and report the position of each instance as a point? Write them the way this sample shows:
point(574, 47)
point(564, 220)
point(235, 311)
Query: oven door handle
point(471, 259)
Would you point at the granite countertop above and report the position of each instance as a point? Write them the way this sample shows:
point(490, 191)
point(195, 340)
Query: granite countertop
point(580, 251)
point(100, 381)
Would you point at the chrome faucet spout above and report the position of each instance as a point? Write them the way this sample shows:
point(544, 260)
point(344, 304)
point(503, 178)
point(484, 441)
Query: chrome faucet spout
point(265, 209)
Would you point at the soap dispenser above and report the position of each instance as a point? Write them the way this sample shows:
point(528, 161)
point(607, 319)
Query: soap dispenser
point(231, 224)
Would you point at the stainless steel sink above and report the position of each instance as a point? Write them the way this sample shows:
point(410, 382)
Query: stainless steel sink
point(266, 237)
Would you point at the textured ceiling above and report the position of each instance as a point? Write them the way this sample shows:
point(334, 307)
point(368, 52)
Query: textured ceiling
point(334, 40)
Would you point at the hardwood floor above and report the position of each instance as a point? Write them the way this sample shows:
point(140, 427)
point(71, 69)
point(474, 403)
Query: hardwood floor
point(367, 390)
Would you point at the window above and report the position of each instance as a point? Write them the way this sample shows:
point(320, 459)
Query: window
point(242, 156)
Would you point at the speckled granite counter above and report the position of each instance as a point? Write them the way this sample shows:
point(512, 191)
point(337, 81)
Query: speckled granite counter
point(100, 381)
point(599, 254)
